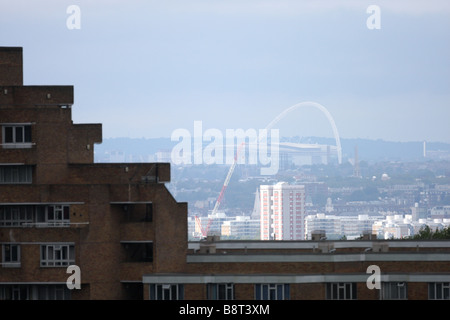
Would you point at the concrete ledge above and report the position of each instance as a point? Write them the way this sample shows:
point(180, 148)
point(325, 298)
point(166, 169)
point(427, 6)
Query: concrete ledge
point(319, 257)
point(289, 278)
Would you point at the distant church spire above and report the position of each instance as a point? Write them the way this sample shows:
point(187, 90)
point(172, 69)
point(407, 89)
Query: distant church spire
point(256, 206)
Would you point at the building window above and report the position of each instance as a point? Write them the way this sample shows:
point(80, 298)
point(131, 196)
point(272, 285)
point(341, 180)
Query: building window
point(53, 292)
point(341, 291)
point(29, 215)
point(11, 255)
point(439, 291)
point(220, 291)
point(16, 174)
point(138, 251)
point(272, 292)
point(34, 292)
point(57, 255)
point(166, 292)
point(53, 215)
point(394, 291)
point(11, 216)
point(14, 292)
point(16, 136)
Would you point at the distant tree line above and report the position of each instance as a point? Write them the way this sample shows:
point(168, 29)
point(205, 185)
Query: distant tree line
point(425, 233)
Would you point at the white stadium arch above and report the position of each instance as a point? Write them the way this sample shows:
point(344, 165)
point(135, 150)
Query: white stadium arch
point(324, 111)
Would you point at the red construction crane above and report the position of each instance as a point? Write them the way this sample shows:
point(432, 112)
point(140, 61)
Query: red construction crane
point(222, 192)
point(203, 231)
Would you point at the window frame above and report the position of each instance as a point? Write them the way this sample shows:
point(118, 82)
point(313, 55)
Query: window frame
point(40, 215)
point(220, 291)
point(15, 292)
point(394, 291)
point(60, 215)
point(341, 291)
point(15, 216)
point(272, 291)
point(439, 291)
point(16, 135)
point(166, 291)
point(16, 174)
point(8, 260)
point(57, 255)
point(53, 292)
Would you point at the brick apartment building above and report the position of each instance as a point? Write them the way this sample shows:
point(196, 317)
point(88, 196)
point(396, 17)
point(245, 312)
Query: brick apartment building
point(119, 224)
point(58, 208)
point(282, 212)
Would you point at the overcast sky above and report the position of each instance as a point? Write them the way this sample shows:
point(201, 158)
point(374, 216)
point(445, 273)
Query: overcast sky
point(146, 68)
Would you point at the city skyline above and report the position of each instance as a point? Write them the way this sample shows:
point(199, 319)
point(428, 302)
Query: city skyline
point(61, 210)
point(238, 64)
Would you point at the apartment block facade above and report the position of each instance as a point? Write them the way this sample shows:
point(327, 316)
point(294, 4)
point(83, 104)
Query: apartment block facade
point(59, 208)
point(120, 225)
point(282, 212)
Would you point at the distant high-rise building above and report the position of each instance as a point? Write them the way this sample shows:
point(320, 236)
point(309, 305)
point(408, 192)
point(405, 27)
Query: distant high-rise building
point(282, 212)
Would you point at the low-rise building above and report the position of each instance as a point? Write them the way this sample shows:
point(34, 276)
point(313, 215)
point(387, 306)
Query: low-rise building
point(241, 227)
point(401, 226)
point(338, 227)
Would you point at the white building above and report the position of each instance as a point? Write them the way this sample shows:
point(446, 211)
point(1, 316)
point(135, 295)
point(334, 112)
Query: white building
point(242, 227)
point(199, 227)
point(335, 227)
point(440, 211)
point(282, 212)
point(399, 226)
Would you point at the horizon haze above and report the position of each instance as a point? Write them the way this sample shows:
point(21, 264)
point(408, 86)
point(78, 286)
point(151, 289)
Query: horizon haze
point(147, 68)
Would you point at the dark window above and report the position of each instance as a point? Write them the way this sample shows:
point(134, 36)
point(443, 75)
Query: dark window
point(15, 174)
point(272, 292)
point(56, 255)
point(166, 292)
point(27, 133)
point(220, 291)
point(16, 134)
point(15, 215)
point(341, 291)
point(394, 290)
point(138, 251)
point(8, 135)
point(19, 134)
point(14, 292)
point(439, 291)
point(11, 254)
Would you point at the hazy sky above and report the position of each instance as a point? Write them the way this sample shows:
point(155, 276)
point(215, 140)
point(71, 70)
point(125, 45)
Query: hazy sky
point(146, 68)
